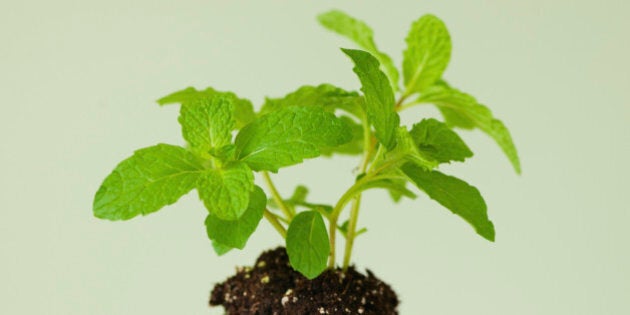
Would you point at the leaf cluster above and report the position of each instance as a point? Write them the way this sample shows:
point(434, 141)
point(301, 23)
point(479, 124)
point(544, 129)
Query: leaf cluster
point(227, 142)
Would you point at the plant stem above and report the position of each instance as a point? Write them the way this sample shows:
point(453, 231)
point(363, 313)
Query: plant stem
point(352, 228)
point(277, 198)
point(408, 105)
point(349, 195)
point(368, 146)
point(400, 101)
point(332, 232)
point(356, 202)
point(275, 223)
point(334, 217)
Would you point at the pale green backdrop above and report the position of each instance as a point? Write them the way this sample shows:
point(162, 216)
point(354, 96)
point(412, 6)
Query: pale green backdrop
point(78, 80)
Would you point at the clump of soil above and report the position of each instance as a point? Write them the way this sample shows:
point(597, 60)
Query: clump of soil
point(273, 287)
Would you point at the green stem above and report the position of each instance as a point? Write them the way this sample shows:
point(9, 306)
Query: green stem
point(350, 194)
point(275, 223)
point(334, 217)
point(352, 230)
point(408, 105)
point(332, 232)
point(378, 156)
point(368, 145)
point(356, 202)
point(277, 198)
point(400, 101)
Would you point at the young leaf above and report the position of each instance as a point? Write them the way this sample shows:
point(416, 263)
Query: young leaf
point(406, 150)
point(359, 32)
point(327, 96)
point(150, 179)
point(307, 244)
point(220, 249)
point(225, 191)
point(379, 97)
point(454, 194)
point(344, 229)
point(243, 110)
point(299, 194)
point(299, 199)
point(427, 55)
point(235, 233)
point(463, 110)
point(207, 122)
point(224, 153)
point(289, 136)
point(438, 142)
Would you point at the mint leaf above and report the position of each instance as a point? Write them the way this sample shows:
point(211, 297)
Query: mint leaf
point(183, 96)
point(454, 194)
point(427, 55)
point(354, 146)
point(398, 189)
point(359, 32)
point(462, 110)
point(150, 179)
point(406, 150)
point(289, 136)
point(235, 233)
point(438, 142)
point(243, 110)
point(224, 153)
point(207, 122)
point(327, 96)
point(220, 249)
point(379, 97)
point(225, 191)
point(307, 244)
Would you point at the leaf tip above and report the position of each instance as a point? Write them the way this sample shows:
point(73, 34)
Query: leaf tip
point(488, 232)
point(517, 166)
point(347, 51)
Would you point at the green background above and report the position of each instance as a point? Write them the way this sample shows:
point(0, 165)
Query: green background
point(78, 80)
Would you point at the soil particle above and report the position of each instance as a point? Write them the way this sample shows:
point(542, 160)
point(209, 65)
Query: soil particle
point(272, 287)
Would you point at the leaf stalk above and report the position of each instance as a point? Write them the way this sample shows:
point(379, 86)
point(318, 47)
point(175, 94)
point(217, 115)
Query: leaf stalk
point(275, 223)
point(277, 198)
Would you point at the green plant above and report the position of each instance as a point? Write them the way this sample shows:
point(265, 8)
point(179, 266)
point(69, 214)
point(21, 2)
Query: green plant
point(313, 121)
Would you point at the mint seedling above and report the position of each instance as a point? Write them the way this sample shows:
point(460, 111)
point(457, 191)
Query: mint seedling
point(227, 142)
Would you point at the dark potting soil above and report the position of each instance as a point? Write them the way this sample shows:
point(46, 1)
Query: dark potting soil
point(272, 287)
